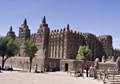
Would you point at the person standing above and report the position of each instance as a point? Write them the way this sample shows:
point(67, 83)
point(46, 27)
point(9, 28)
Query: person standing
point(91, 71)
point(87, 71)
point(36, 68)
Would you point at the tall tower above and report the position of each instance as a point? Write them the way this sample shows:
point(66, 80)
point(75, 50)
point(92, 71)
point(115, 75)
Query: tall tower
point(42, 36)
point(11, 33)
point(106, 42)
point(24, 32)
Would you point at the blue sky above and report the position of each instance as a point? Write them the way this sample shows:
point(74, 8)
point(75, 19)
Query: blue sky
point(100, 17)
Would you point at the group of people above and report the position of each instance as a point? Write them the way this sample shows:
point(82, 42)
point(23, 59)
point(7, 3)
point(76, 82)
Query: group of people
point(7, 68)
point(91, 70)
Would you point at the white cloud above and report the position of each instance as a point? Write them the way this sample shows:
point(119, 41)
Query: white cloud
point(116, 43)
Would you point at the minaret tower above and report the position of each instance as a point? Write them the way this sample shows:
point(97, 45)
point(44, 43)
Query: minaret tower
point(11, 33)
point(43, 35)
point(24, 31)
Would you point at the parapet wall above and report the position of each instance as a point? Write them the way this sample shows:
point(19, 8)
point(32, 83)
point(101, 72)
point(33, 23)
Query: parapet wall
point(105, 66)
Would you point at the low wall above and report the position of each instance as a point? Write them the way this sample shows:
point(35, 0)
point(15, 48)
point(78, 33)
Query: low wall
point(69, 63)
point(73, 64)
point(105, 66)
point(53, 63)
point(23, 62)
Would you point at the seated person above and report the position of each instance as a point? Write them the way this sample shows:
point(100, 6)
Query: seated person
point(10, 69)
point(50, 70)
point(6, 68)
point(0, 68)
point(55, 69)
point(42, 71)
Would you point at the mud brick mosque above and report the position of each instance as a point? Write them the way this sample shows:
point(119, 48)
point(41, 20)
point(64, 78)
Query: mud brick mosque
point(61, 46)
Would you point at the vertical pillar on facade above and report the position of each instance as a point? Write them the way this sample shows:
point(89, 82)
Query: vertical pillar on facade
point(49, 49)
point(62, 46)
point(95, 51)
point(91, 48)
point(57, 49)
point(54, 49)
point(68, 48)
point(74, 47)
point(50, 64)
point(60, 49)
point(54, 64)
point(51, 52)
point(58, 44)
point(75, 50)
point(65, 45)
point(65, 51)
point(92, 51)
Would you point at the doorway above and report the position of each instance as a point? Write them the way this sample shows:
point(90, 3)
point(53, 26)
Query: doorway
point(66, 67)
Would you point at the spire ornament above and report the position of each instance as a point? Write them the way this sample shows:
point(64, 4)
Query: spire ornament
point(44, 20)
point(11, 29)
point(67, 26)
point(25, 22)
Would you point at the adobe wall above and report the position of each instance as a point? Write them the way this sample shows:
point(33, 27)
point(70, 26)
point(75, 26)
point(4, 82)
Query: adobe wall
point(69, 62)
point(73, 64)
point(53, 63)
point(105, 66)
point(23, 63)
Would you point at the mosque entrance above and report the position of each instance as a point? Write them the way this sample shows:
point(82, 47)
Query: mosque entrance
point(66, 67)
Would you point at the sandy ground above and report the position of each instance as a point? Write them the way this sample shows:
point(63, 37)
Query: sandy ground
point(18, 77)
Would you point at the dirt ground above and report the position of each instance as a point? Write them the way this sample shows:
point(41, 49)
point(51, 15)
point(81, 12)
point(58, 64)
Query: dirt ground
point(18, 77)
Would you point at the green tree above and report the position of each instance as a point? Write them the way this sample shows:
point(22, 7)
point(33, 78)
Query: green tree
point(30, 49)
point(84, 53)
point(8, 48)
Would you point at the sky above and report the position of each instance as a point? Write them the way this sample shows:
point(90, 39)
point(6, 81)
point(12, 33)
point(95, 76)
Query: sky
point(99, 17)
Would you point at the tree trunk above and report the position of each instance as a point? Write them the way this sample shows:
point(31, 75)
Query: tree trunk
point(30, 64)
point(83, 67)
point(2, 62)
point(81, 73)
